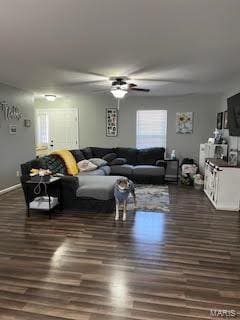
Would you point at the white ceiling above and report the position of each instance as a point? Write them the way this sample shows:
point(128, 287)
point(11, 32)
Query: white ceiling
point(52, 46)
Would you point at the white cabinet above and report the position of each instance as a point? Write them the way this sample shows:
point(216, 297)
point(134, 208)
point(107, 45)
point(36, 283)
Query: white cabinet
point(222, 185)
point(209, 150)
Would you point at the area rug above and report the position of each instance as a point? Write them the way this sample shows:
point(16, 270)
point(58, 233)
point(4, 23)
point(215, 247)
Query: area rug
point(150, 198)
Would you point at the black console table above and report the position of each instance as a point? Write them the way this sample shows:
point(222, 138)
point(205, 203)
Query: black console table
point(47, 188)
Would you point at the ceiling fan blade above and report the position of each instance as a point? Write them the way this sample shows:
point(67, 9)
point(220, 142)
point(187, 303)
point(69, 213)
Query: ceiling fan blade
point(140, 89)
point(164, 81)
point(100, 90)
point(96, 74)
point(131, 85)
point(75, 84)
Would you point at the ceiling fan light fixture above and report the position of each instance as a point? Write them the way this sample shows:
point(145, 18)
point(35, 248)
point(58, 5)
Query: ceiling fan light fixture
point(118, 93)
point(50, 97)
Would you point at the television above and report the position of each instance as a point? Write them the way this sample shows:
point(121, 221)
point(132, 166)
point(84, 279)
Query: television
point(234, 115)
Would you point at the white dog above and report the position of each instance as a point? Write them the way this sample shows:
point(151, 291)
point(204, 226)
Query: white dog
point(123, 187)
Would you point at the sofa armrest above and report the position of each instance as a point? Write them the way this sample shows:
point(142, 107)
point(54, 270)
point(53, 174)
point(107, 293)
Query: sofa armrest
point(70, 185)
point(70, 182)
point(161, 163)
point(23, 180)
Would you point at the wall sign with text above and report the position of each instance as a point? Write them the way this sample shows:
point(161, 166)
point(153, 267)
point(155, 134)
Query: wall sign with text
point(10, 112)
point(111, 122)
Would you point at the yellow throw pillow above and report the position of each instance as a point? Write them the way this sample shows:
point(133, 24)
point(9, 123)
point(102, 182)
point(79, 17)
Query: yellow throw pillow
point(69, 161)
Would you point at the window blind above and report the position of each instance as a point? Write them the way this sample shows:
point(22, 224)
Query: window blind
point(42, 129)
point(151, 128)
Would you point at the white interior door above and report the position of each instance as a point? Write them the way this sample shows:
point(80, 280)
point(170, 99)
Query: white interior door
point(57, 128)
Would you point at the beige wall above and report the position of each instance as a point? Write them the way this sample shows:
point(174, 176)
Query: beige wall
point(92, 119)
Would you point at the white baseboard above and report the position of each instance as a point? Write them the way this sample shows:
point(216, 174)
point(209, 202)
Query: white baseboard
point(10, 189)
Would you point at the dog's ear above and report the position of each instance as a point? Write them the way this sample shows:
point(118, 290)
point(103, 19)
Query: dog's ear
point(126, 180)
point(118, 181)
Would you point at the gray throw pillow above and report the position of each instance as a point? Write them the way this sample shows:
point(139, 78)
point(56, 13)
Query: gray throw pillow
point(98, 162)
point(110, 156)
point(118, 161)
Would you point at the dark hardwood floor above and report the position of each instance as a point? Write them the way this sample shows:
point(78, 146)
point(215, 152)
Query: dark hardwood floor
point(172, 266)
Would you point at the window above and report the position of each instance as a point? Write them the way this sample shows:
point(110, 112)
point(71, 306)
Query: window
point(151, 128)
point(42, 128)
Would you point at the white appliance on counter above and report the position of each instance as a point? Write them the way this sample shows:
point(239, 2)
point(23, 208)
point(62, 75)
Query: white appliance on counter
point(222, 185)
point(209, 150)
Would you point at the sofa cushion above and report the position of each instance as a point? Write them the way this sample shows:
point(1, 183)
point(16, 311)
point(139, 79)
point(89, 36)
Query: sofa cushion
point(87, 153)
point(102, 171)
point(118, 161)
point(78, 155)
point(106, 170)
point(98, 162)
point(100, 152)
point(110, 156)
point(97, 172)
point(150, 155)
point(100, 188)
point(125, 169)
point(147, 170)
point(128, 153)
point(161, 163)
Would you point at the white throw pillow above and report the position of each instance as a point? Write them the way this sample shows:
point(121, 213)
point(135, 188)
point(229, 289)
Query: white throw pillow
point(86, 165)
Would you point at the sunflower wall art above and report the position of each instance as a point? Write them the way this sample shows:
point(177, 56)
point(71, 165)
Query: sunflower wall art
point(184, 122)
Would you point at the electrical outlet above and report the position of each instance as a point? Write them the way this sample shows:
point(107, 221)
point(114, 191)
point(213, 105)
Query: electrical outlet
point(17, 173)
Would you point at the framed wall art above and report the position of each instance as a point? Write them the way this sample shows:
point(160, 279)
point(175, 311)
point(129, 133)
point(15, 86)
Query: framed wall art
point(12, 129)
point(225, 123)
point(111, 122)
point(233, 158)
point(184, 122)
point(27, 123)
point(219, 120)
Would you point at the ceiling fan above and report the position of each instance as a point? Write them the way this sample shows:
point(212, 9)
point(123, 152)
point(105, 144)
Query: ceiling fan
point(120, 87)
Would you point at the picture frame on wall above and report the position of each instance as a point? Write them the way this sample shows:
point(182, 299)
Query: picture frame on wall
point(219, 120)
point(225, 123)
point(184, 122)
point(27, 123)
point(111, 122)
point(12, 129)
point(233, 158)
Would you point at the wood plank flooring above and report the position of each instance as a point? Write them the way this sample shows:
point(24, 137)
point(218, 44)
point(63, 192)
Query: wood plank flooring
point(168, 266)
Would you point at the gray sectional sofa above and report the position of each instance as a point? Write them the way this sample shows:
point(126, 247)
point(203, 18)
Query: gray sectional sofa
point(140, 165)
point(93, 190)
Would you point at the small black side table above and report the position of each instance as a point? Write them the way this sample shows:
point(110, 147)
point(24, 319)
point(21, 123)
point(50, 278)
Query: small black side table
point(54, 184)
point(173, 177)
